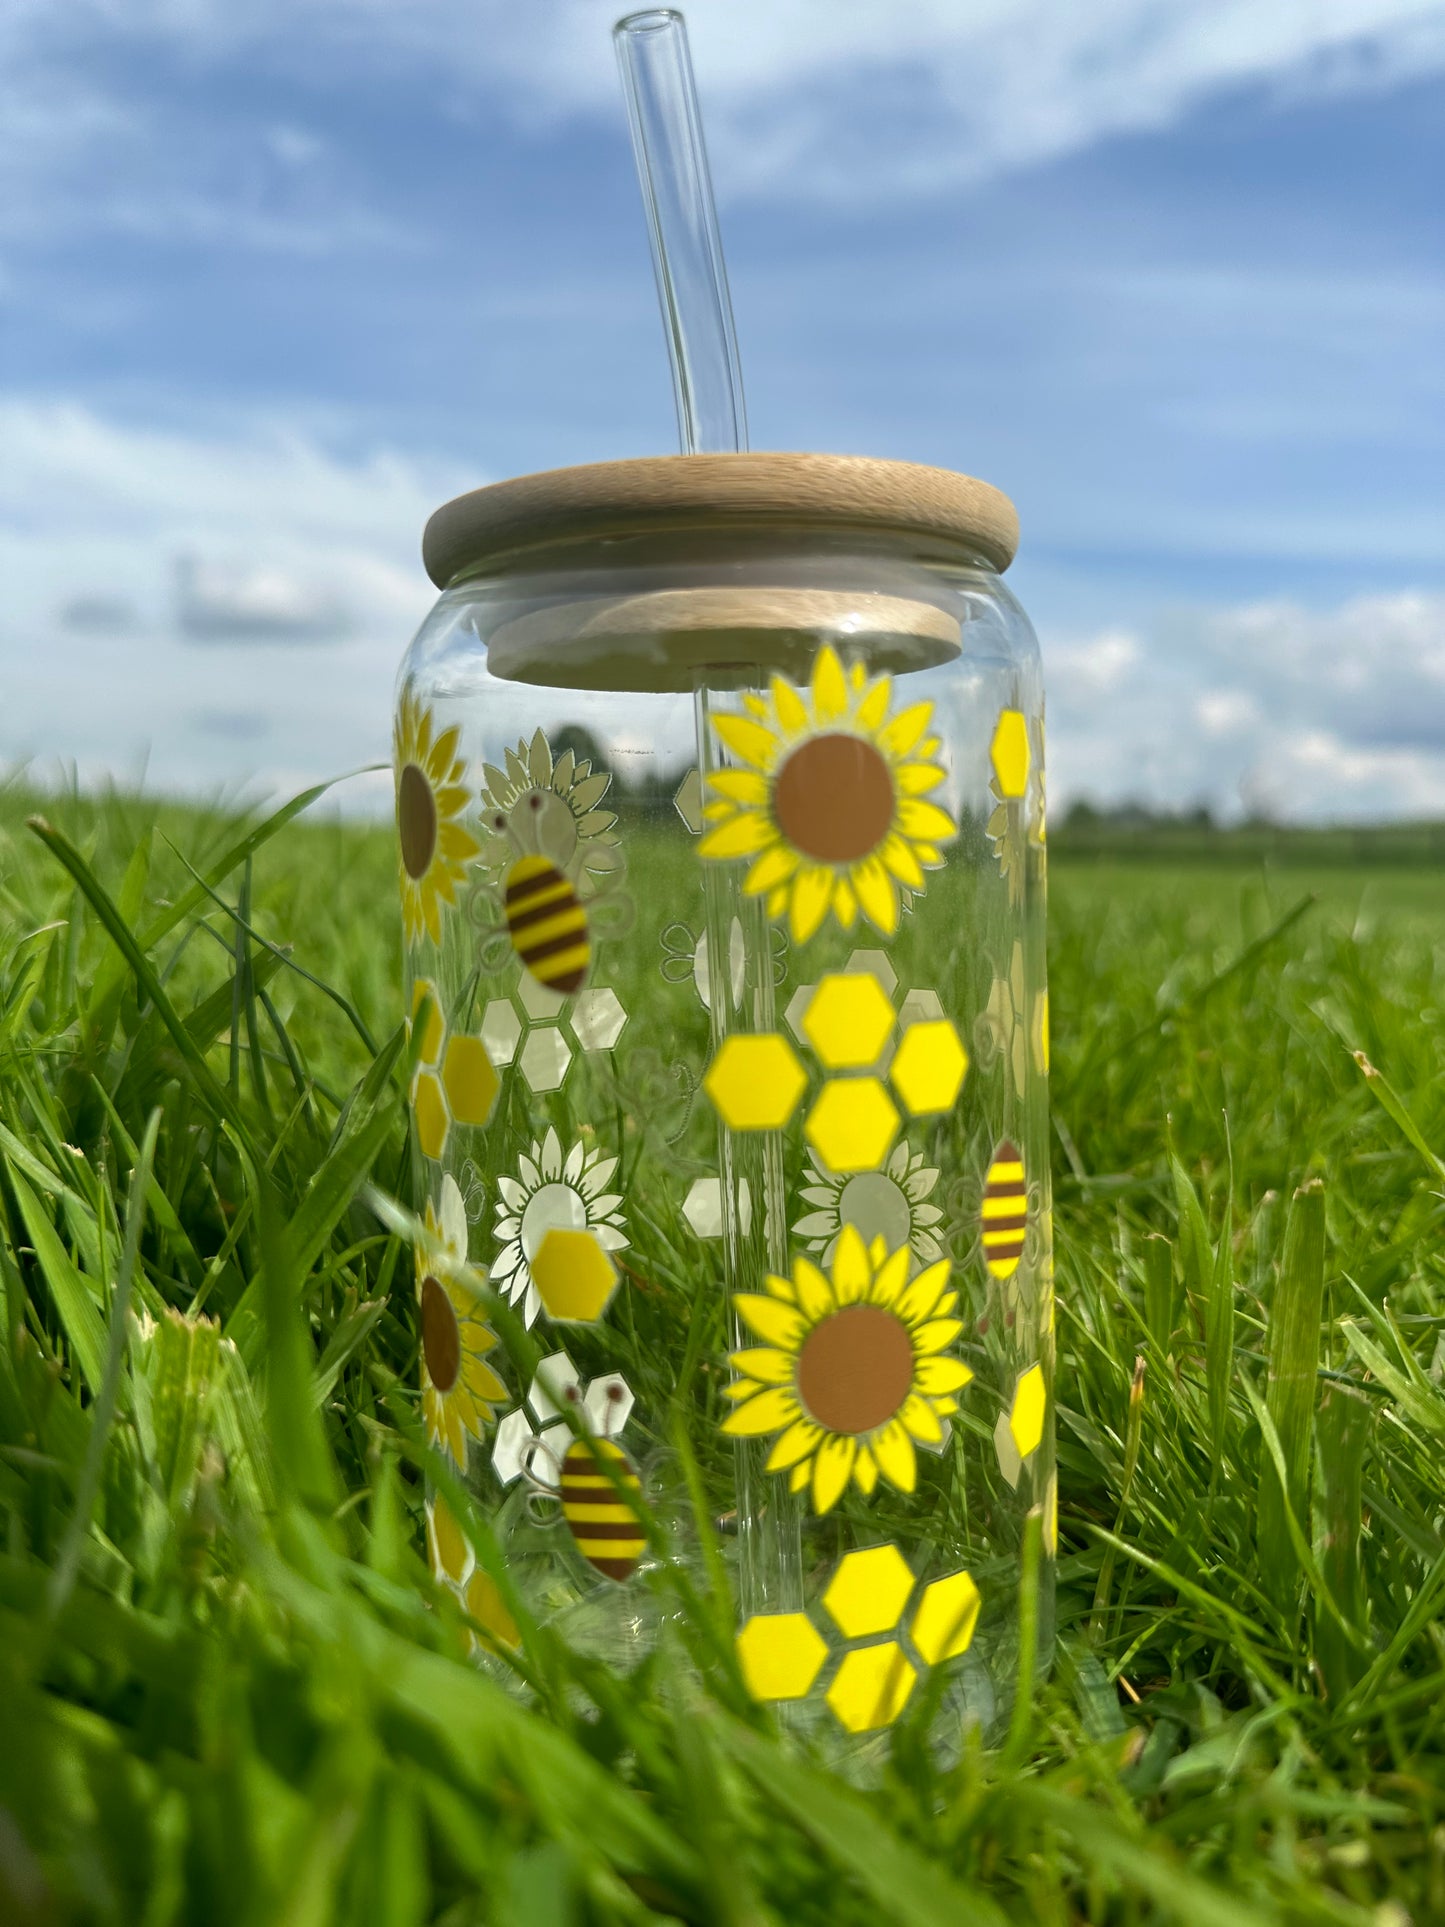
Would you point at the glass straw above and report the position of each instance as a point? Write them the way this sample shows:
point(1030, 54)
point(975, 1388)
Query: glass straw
point(687, 257)
point(697, 315)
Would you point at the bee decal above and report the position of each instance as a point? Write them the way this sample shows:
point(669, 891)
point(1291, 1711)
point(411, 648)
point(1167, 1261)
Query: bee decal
point(607, 1529)
point(547, 886)
point(547, 924)
point(1005, 1210)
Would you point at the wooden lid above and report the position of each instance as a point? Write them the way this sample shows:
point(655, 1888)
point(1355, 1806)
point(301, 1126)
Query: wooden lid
point(682, 492)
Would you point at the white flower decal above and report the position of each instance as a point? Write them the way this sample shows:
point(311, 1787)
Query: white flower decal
point(891, 1204)
point(552, 1193)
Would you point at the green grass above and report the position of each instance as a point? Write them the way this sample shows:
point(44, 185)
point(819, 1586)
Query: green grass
point(228, 1689)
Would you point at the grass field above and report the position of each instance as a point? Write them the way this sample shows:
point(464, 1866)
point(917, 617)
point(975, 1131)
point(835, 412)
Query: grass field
point(228, 1690)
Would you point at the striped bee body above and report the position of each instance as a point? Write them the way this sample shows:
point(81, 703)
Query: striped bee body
point(547, 924)
point(607, 1529)
point(1005, 1211)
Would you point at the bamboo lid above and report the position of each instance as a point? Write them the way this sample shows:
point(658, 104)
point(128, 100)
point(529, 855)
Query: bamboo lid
point(681, 492)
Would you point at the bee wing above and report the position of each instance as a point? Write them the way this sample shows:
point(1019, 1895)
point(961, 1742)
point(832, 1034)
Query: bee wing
point(611, 916)
point(494, 951)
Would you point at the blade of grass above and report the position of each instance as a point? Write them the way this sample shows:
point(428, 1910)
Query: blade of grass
point(1295, 1314)
point(67, 1558)
point(91, 888)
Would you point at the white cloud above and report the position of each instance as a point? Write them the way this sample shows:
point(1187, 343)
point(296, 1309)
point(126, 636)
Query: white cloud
point(1225, 712)
point(1094, 666)
point(306, 581)
point(842, 99)
point(1313, 714)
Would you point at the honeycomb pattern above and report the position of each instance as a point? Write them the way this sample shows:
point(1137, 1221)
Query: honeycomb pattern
point(781, 1655)
point(1026, 1419)
point(455, 1081)
point(574, 1275)
point(919, 1007)
point(597, 1019)
point(943, 1626)
point(872, 1687)
point(784, 1654)
point(501, 1030)
point(688, 801)
point(469, 1080)
point(869, 1590)
point(853, 1124)
point(1009, 1462)
point(1010, 753)
point(755, 1082)
point(848, 1021)
point(434, 1026)
point(553, 1032)
point(429, 1114)
point(928, 1067)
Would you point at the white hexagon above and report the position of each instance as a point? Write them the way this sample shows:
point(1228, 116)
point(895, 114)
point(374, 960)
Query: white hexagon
point(598, 1019)
point(514, 1435)
point(797, 1004)
point(945, 1438)
point(501, 1030)
point(920, 1007)
point(556, 1377)
point(688, 801)
point(538, 1001)
point(608, 1404)
point(875, 962)
point(1009, 1462)
point(702, 1207)
point(545, 1057)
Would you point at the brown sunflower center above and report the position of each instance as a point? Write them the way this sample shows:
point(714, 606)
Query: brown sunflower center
point(416, 819)
point(833, 799)
point(441, 1338)
point(855, 1369)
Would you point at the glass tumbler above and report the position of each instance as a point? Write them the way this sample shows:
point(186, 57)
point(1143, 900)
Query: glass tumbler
point(720, 799)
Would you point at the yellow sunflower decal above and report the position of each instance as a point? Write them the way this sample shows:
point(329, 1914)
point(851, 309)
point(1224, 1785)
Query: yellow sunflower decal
point(458, 1387)
point(850, 1374)
point(431, 794)
point(831, 799)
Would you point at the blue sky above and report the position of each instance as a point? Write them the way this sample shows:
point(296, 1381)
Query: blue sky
point(276, 280)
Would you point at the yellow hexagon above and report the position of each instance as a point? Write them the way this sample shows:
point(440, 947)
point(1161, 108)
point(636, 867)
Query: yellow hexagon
point(947, 1614)
point(429, 1110)
point(928, 1067)
point(450, 1551)
point(435, 1027)
point(1010, 753)
point(574, 1276)
point(781, 1654)
point(1026, 1420)
point(848, 1020)
point(471, 1080)
point(869, 1590)
point(487, 1607)
point(755, 1082)
point(871, 1687)
point(853, 1124)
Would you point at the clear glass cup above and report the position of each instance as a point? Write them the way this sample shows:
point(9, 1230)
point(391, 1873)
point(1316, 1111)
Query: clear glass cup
point(720, 795)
